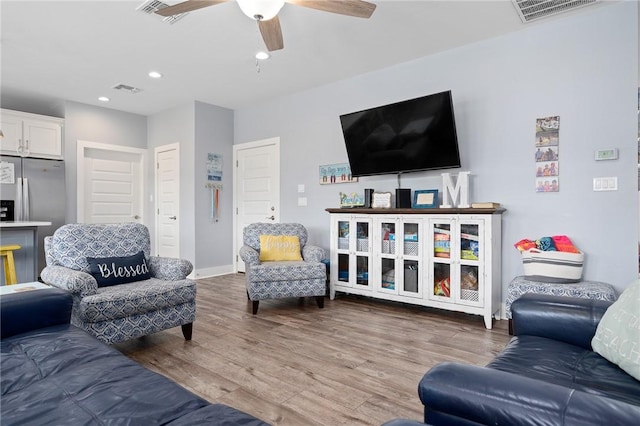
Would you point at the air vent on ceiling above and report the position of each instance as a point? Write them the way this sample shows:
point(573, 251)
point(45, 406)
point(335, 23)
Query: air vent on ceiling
point(150, 7)
point(126, 88)
point(530, 10)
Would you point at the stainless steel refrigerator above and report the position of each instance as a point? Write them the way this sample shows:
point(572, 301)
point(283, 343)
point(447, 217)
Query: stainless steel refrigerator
point(37, 188)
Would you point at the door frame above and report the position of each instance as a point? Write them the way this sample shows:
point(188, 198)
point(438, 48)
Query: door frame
point(156, 207)
point(81, 149)
point(238, 147)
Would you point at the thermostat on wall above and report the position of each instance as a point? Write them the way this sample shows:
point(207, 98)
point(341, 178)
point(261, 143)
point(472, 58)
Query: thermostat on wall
point(607, 154)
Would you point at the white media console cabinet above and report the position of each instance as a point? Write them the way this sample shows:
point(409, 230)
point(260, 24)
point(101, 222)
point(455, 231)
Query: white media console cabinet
point(441, 258)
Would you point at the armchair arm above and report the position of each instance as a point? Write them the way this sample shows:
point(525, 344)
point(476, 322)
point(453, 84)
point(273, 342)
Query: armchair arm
point(76, 282)
point(31, 310)
point(567, 319)
point(466, 394)
point(169, 268)
point(249, 255)
point(312, 253)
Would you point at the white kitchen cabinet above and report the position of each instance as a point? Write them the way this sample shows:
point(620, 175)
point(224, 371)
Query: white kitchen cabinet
point(31, 135)
point(441, 258)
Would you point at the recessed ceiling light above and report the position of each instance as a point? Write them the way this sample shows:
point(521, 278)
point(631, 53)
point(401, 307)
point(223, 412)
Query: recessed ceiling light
point(104, 99)
point(155, 74)
point(262, 55)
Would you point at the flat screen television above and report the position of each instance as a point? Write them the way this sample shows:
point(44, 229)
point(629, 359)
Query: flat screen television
point(407, 136)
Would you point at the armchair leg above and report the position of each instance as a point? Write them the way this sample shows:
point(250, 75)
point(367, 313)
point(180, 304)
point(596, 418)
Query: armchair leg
point(255, 306)
point(187, 330)
point(320, 301)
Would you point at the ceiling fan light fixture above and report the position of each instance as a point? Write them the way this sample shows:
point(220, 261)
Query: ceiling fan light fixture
point(262, 55)
point(261, 10)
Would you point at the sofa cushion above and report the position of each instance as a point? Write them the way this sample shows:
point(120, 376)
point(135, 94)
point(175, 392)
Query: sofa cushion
point(130, 299)
point(287, 271)
point(61, 375)
point(617, 337)
point(118, 269)
point(279, 248)
point(72, 243)
point(251, 233)
point(567, 365)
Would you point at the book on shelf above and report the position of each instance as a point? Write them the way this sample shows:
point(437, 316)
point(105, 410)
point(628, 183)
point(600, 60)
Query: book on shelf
point(485, 205)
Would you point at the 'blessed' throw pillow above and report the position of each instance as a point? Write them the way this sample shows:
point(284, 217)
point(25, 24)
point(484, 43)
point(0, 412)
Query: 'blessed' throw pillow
point(617, 337)
point(279, 247)
point(119, 270)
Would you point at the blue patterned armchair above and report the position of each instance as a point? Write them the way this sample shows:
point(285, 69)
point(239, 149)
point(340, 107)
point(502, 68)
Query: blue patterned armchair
point(279, 279)
point(125, 311)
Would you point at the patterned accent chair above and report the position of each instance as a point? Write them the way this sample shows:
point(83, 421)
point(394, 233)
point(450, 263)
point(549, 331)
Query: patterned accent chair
point(273, 279)
point(124, 311)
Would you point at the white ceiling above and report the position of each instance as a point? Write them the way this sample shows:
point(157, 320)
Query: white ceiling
point(78, 50)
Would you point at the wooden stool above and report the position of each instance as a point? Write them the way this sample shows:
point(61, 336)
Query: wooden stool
point(9, 265)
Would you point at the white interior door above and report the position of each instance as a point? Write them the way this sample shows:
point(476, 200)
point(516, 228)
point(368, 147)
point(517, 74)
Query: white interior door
point(167, 200)
point(110, 183)
point(256, 187)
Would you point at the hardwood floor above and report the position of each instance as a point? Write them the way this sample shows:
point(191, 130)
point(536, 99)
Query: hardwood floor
point(358, 361)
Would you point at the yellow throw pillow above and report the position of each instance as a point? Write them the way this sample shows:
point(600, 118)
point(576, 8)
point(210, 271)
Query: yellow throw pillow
point(279, 247)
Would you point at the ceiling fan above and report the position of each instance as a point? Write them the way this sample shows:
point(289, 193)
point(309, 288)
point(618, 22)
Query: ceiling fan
point(266, 13)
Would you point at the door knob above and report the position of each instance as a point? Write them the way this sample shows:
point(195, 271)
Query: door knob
point(272, 217)
point(136, 217)
point(172, 217)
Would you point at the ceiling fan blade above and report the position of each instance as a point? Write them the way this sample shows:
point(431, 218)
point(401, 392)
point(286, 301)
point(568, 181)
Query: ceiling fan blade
point(357, 8)
point(187, 6)
point(271, 34)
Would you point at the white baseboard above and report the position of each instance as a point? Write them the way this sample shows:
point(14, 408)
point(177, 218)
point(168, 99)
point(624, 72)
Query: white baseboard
point(212, 272)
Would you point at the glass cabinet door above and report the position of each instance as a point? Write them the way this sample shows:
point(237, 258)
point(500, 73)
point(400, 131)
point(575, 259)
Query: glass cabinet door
point(470, 261)
point(388, 269)
point(360, 249)
point(441, 263)
point(353, 252)
point(411, 259)
point(343, 228)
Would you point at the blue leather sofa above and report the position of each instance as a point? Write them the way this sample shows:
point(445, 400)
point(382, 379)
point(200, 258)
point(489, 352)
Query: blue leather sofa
point(53, 373)
point(548, 374)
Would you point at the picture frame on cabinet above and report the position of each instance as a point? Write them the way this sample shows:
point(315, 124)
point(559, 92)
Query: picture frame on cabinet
point(381, 200)
point(425, 199)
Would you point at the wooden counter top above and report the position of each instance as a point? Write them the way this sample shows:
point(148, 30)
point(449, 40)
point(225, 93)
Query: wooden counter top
point(23, 224)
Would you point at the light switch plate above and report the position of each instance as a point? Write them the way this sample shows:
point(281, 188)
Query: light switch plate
point(607, 154)
point(605, 183)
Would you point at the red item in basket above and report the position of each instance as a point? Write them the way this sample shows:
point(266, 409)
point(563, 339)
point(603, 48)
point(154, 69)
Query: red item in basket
point(563, 243)
point(524, 245)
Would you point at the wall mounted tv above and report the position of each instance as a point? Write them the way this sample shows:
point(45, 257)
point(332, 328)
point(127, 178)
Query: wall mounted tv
point(407, 136)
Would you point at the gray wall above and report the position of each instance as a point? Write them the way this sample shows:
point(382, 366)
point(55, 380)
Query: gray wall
point(583, 68)
point(213, 134)
point(95, 124)
point(177, 125)
point(198, 128)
